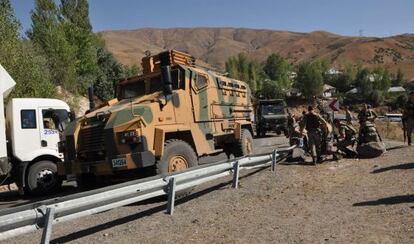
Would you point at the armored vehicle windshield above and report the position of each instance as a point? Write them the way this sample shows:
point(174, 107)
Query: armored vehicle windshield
point(143, 85)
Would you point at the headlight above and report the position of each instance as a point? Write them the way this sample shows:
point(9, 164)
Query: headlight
point(129, 137)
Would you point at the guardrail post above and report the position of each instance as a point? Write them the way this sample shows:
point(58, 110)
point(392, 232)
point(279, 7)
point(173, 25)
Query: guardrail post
point(171, 196)
point(274, 160)
point(236, 169)
point(47, 228)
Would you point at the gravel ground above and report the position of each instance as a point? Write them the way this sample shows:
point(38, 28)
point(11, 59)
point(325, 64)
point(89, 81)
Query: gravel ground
point(349, 201)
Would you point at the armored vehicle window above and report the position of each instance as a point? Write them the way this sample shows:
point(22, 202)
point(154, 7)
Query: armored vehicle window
point(201, 81)
point(28, 119)
point(136, 89)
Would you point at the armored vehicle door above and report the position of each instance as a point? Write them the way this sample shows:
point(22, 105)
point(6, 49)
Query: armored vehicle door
point(200, 96)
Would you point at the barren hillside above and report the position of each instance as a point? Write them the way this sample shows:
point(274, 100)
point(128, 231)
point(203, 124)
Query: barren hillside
point(216, 45)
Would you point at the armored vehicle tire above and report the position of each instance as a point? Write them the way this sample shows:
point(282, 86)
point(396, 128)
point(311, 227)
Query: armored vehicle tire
point(42, 178)
point(178, 155)
point(244, 146)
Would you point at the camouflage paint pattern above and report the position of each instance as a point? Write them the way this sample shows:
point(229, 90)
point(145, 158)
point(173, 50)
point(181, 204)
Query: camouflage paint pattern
point(207, 110)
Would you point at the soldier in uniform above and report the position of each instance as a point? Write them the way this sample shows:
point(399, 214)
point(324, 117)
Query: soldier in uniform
point(408, 117)
point(346, 137)
point(349, 116)
point(366, 114)
point(316, 128)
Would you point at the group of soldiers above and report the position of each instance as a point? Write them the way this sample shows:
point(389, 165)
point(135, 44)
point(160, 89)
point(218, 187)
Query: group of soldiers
point(318, 127)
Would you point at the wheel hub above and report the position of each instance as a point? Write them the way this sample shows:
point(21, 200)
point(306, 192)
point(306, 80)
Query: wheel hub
point(177, 163)
point(45, 177)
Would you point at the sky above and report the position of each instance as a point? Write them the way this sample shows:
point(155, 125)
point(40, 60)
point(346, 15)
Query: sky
point(345, 17)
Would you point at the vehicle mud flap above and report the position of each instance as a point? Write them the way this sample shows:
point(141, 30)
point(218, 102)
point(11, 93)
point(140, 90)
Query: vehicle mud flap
point(4, 166)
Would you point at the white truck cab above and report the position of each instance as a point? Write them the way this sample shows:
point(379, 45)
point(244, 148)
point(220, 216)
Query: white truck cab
point(33, 127)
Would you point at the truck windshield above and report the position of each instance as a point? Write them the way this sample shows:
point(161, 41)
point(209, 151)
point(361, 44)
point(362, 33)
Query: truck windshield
point(271, 109)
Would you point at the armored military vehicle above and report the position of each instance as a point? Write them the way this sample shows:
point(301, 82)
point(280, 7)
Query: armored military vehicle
point(271, 115)
point(168, 117)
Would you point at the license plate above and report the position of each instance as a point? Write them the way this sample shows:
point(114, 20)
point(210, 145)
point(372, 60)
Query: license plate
point(119, 162)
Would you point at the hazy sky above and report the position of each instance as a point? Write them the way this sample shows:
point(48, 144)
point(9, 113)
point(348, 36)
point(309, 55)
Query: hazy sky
point(346, 17)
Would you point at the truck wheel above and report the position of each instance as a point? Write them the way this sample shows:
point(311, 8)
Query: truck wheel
point(42, 178)
point(245, 145)
point(178, 155)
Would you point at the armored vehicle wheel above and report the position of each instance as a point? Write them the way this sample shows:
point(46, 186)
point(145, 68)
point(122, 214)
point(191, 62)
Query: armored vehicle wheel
point(42, 178)
point(245, 145)
point(178, 155)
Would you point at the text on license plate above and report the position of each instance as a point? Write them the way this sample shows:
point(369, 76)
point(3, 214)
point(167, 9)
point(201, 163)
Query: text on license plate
point(119, 162)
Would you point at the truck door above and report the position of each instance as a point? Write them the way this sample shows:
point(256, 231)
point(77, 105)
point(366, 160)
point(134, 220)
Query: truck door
point(51, 124)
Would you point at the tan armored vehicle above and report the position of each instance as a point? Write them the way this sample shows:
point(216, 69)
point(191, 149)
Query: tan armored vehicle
point(169, 117)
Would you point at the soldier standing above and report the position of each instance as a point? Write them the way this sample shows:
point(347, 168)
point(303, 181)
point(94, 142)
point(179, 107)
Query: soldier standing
point(315, 126)
point(366, 114)
point(408, 117)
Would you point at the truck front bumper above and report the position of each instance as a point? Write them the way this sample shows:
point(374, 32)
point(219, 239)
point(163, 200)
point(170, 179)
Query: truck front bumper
point(108, 166)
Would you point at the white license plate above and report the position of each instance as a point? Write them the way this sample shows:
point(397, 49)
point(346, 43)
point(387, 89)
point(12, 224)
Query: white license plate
point(119, 162)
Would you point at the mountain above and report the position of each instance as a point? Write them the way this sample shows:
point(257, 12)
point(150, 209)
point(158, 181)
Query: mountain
point(216, 45)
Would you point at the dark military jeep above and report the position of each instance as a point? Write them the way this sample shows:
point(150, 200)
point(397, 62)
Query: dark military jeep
point(271, 115)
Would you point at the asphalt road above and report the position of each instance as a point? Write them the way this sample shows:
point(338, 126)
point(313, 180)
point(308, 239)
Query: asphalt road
point(261, 145)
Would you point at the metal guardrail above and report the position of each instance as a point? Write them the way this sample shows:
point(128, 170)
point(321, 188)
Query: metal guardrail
point(44, 214)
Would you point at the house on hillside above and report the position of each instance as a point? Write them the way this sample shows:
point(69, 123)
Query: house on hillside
point(396, 89)
point(328, 91)
point(333, 71)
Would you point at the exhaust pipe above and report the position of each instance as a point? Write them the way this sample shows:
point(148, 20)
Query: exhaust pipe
point(90, 96)
point(166, 72)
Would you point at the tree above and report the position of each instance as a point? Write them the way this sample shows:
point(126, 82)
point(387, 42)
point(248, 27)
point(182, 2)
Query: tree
point(23, 62)
point(78, 33)
point(344, 81)
point(381, 79)
point(310, 79)
point(110, 72)
point(399, 79)
point(48, 34)
point(245, 69)
point(278, 69)
point(363, 82)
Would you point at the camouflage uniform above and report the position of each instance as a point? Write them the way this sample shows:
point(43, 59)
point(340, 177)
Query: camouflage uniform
point(409, 120)
point(314, 124)
point(366, 115)
point(346, 137)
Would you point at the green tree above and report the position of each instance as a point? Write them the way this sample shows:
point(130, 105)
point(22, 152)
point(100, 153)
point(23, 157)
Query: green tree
point(310, 78)
point(344, 81)
point(381, 78)
point(245, 69)
point(48, 34)
point(79, 35)
point(399, 79)
point(110, 72)
point(22, 61)
point(278, 69)
point(363, 82)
